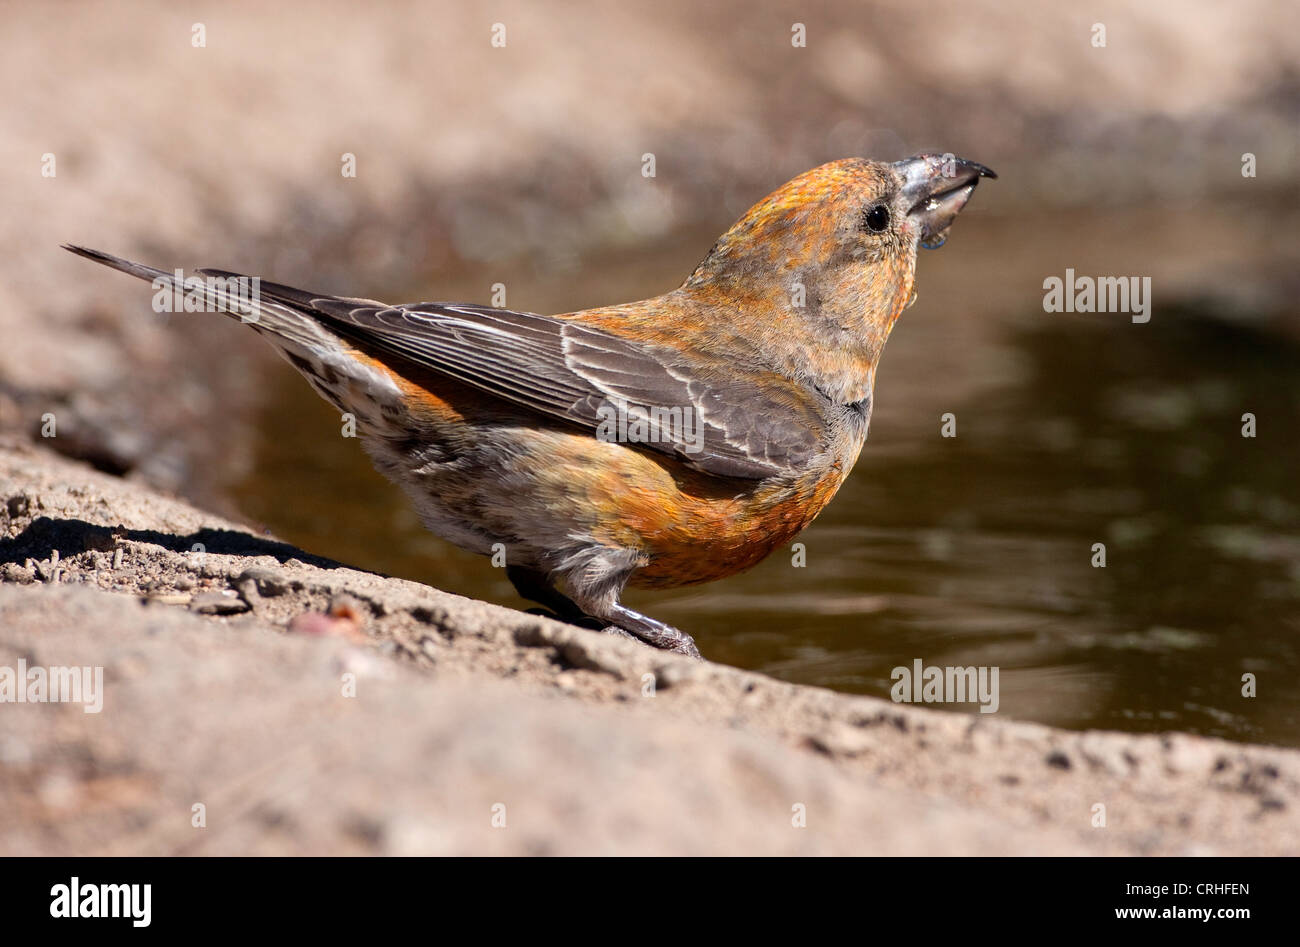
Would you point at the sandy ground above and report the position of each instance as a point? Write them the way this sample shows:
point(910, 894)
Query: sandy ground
point(225, 687)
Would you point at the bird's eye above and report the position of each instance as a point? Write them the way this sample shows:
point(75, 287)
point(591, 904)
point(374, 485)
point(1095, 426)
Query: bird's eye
point(877, 218)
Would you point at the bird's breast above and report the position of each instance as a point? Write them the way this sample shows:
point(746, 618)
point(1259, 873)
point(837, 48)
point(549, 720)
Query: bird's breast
point(689, 538)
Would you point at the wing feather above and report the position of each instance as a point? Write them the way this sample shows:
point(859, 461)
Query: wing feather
point(716, 417)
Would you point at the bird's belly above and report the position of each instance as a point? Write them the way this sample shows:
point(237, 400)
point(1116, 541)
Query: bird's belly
point(535, 493)
point(542, 494)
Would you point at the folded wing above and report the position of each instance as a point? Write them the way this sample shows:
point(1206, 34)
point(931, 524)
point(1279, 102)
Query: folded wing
point(713, 416)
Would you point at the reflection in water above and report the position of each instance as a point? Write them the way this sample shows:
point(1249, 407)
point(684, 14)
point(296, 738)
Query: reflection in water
point(976, 550)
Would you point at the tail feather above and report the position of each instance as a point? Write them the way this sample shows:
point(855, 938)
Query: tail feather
point(283, 313)
point(287, 318)
point(138, 270)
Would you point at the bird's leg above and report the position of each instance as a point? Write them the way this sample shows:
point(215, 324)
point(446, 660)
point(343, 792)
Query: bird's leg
point(535, 587)
point(650, 630)
point(604, 613)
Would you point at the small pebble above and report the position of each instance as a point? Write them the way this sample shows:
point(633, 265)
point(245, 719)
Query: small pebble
point(217, 603)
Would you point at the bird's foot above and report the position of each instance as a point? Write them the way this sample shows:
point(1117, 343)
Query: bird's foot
point(665, 636)
point(619, 632)
point(652, 631)
point(678, 643)
point(686, 645)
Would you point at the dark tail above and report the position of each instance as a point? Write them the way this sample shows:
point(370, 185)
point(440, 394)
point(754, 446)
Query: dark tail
point(270, 308)
point(138, 270)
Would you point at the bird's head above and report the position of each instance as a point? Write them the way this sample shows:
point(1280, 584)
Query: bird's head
point(828, 259)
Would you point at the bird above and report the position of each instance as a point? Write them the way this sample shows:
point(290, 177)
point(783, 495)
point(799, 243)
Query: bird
point(654, 444)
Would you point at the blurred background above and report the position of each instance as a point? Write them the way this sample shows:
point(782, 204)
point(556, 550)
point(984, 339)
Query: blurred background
point(521, 164)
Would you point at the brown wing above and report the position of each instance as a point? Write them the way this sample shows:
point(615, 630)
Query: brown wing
point(717, 417)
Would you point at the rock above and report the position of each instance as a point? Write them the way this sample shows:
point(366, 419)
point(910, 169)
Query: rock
point(13, 572)
point(218, 603)
point(268, 582)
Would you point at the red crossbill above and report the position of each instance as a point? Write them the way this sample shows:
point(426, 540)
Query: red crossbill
point(659, 443)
